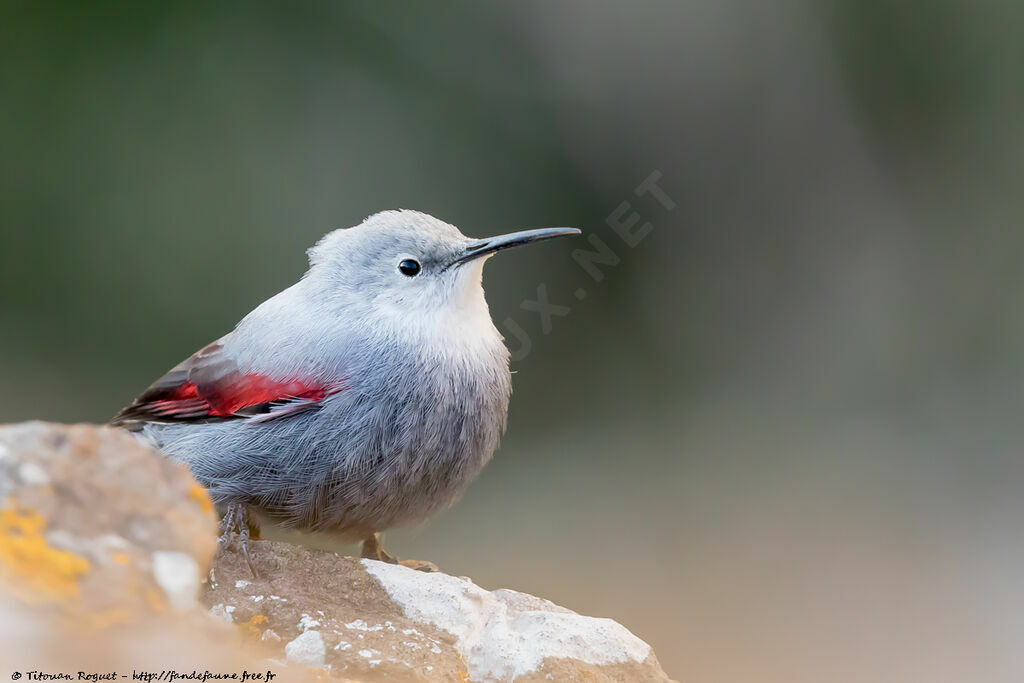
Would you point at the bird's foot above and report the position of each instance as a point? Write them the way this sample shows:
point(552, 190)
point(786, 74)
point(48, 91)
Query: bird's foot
point(373, 550)
point(236, 522)
point(420, 565)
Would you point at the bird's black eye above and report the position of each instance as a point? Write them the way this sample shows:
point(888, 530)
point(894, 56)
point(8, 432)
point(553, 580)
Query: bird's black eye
point(409, 267)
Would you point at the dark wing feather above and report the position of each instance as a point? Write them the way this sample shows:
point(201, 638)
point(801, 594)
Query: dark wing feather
point(209, 387)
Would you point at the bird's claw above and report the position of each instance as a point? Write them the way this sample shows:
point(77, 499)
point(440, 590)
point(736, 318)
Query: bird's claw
point(420, 565)
point(236, 522)
point(373, 550)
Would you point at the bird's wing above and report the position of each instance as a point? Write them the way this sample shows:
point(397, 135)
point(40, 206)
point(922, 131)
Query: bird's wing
point(210, 387)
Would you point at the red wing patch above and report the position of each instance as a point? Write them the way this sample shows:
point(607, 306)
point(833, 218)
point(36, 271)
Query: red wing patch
point(208, 387)
point(244, 395)
point(228, 398)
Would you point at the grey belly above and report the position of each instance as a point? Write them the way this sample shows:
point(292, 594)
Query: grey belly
point(349, 475)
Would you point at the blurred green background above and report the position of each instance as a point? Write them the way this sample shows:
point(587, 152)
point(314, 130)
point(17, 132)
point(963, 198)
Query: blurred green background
point(780, 440)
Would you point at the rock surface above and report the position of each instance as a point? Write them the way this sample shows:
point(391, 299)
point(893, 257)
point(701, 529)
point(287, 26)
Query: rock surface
point(91, 521)
point(376, 621)
point(105, 549)
point(103, 545)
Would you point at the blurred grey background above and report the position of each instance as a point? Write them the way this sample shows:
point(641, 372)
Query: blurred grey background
point(780, 440)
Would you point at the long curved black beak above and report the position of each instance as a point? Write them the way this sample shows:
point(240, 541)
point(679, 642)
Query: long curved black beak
point(491, 245)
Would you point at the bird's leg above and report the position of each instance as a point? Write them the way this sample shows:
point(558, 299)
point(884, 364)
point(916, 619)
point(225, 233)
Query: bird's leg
point(227, 524)
point(236, 520)
point(373, 550)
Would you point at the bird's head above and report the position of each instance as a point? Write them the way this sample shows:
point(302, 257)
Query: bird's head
point(407, 262)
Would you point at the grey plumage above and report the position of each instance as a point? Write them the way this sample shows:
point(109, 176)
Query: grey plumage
point(393, 388)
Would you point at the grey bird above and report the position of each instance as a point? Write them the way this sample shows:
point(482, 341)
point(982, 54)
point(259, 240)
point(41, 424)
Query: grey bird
point(366, 396)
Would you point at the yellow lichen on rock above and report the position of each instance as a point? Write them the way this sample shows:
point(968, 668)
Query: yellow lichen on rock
point(121, 558)
point(156, 600)
point(35, 571)
point(109, 617)
point(201, 497)
point(254, 627)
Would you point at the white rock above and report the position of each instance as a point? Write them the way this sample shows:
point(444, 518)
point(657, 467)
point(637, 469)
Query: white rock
point(33, 473)
point(307, 649)
point(62, 538)
point(505, 634)
point(361, 625)
point(178, 574)
point(113, 542)
point(223, 612)
point(307, 622)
